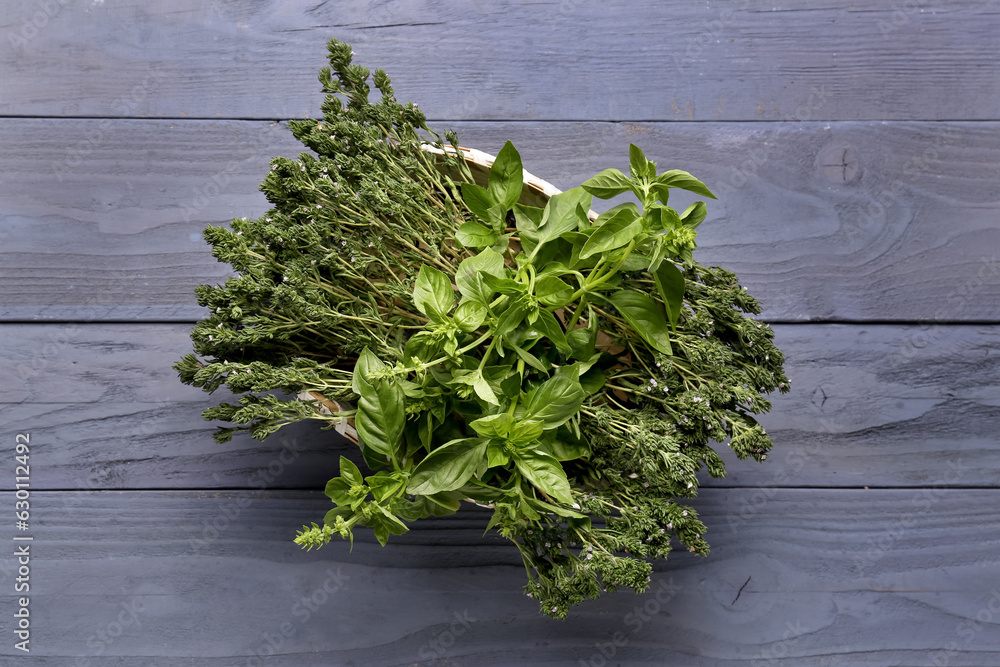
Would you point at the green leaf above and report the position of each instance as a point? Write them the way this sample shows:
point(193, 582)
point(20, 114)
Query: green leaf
point(593, 380)
point(525, 432)
point(448, 467)
point(506, 177)
point(504, 285)
point(643, 315)
point(380, 418)
point(468, 275)
point(583, 341)
point(637, 163)
point(563, 213)
point(562, 450)
point(432, 293)
point(551, 291)
point(528, 219)
point(496, 456)
point(607, 184)
point(383, 485)
point(390, 521)
point(549, 325)
point(670, 283)
point(675, 178)
point(542, 506)
point(662, 218)
point(509, 319)
point(493, 426)
point(474, 235)
point(557, 399)
point(366, 364)
point(470, 315)
point(338, 490)
point(529, 359)
point(545, 473)
point(350, 472)
point(483, 389)
point(478, 200)
point(694, 214)
point(615, 210)
point(615, 233)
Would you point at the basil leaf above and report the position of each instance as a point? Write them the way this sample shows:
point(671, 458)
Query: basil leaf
point(528, 219)
point(643, 315)
point(483, 389)
point(503, 285)
point(367, 363)
point(615, 210)
point(545, 473)
point(676, 178)
point(493, 426)
point(542, 506)
point(562, 450)
point(583, 342)
point(637, 163)
point(432, 294)
point(380, 418)
point(526, 431)
point(549, 325)
point(593, 380)
point(506, 177)
point(529, 359)
point(552, 291)
point(614, 233)
point(557, 399)
point(607, 184)
point(496, 457)
point(563, 213)
point(350, 472)
point(670, 283)
point(338, 490)
point(478, 200)
point(470, 315)
point(383, 485)
point(662, 218)
point(468, 275)
point(448, 467)
point(509, 319)
point(694, 214)
point(474, 235)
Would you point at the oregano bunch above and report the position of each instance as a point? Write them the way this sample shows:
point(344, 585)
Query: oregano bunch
point(567, 373)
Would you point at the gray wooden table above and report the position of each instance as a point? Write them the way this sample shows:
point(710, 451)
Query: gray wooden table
point(856, 152)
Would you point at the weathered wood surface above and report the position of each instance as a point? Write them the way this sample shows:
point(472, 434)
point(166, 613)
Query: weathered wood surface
point(155, 546)
point(846, 221)
point(850, 577)
point(880, 406)
point(482, 59)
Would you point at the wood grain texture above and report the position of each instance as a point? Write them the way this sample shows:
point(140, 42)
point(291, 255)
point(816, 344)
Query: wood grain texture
point(198, 578)
point(482, 59)
point(846, 221)
point(872, 406)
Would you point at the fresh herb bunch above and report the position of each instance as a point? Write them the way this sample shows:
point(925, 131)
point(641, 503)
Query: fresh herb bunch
point(567, 373)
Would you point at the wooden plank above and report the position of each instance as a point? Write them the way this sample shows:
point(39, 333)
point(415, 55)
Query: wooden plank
point(904, 229)
point(570, 60)
point(145, 578)
point(872, 406)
